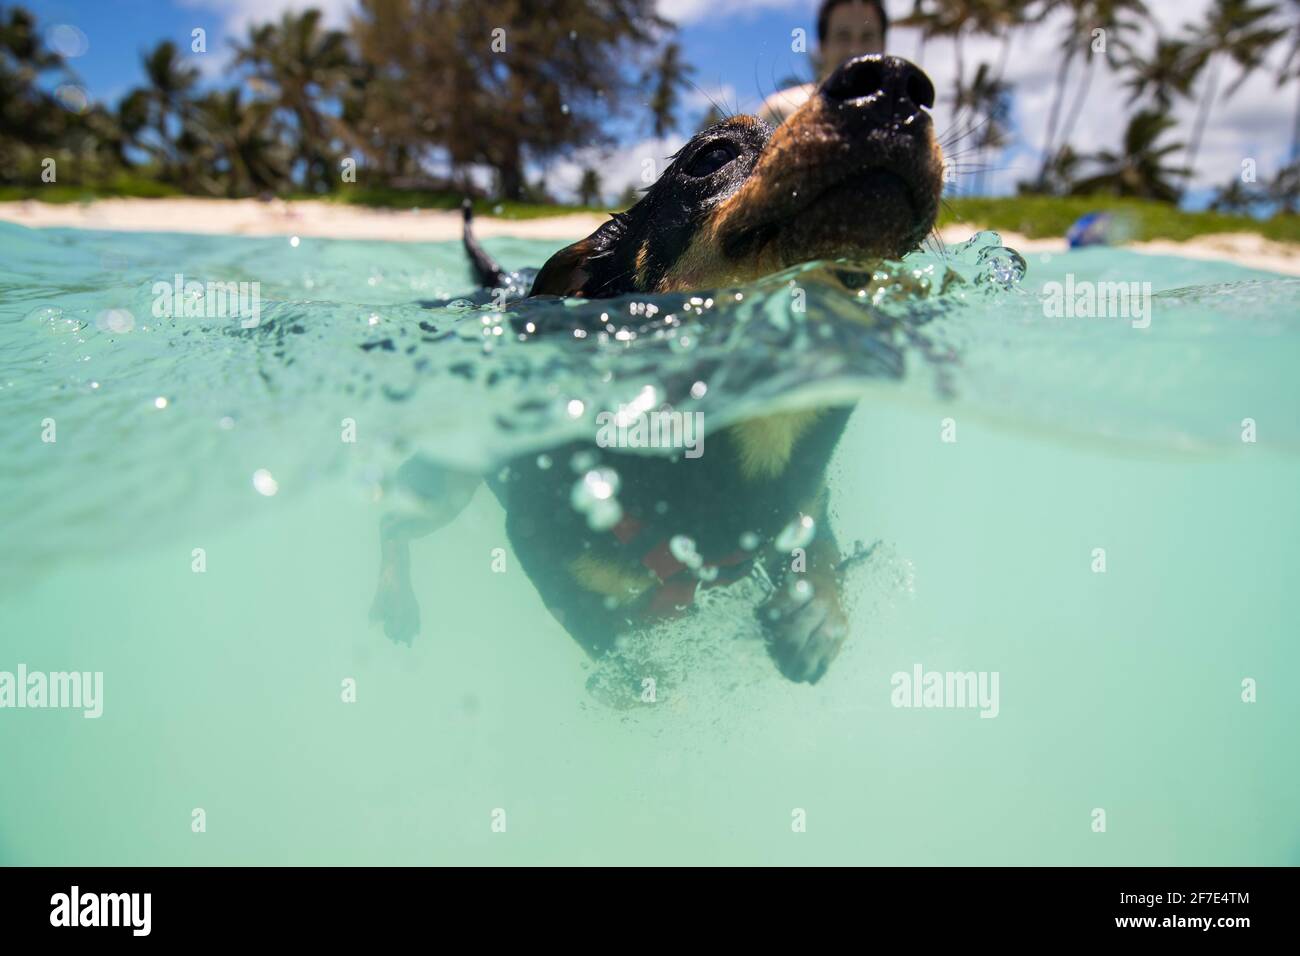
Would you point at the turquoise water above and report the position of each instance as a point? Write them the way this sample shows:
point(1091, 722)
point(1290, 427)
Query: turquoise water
point(222, 690)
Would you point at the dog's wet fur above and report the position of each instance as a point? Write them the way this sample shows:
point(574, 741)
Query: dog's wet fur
point(854, 174)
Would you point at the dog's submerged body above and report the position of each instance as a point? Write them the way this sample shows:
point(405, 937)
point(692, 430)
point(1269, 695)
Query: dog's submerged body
point(855, 173)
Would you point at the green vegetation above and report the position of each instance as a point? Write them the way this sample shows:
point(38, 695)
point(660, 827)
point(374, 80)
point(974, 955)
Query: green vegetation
point(1047, 216)
point(122, 185)
point(416, 96)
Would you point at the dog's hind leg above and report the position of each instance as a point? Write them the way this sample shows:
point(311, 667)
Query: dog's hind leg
point(441, 494)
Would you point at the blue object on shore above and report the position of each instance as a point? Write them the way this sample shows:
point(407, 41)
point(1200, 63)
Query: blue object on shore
point(1092, 229)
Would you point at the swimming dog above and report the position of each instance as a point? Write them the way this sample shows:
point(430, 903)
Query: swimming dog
point(856, 174)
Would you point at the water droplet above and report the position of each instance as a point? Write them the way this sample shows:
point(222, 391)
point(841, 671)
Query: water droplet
point(54, 321)
point(801, 590)
point(115, 320)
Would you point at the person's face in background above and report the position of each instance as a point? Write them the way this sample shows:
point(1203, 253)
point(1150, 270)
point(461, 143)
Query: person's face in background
point(853, 28)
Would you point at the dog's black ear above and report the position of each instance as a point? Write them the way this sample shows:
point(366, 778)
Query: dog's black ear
point(586, 268)
point(565, 273)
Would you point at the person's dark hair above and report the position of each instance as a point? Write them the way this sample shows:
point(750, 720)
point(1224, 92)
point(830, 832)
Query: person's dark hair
point(824, 17)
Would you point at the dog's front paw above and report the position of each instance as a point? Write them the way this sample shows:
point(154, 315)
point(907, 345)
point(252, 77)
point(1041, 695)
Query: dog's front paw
point(806, 627)
point(396, 608)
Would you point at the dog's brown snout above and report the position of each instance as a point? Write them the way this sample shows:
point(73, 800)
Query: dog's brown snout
point(883, 87)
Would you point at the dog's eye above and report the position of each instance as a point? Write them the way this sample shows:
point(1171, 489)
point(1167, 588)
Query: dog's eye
point(711, 159)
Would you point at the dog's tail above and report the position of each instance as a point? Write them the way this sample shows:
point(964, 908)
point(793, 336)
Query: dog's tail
point(487, 273)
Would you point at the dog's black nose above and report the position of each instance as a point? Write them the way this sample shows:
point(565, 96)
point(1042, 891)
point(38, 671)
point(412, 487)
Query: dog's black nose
point(888, 87)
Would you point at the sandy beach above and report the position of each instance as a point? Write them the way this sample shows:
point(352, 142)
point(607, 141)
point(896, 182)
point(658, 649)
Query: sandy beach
point(250, 217)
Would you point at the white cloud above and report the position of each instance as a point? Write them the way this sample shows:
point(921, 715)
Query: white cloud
point(698, 100)
point(238, 15)
point(618, 169)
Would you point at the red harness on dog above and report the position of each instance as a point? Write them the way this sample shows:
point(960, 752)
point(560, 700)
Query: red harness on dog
point(675, 592)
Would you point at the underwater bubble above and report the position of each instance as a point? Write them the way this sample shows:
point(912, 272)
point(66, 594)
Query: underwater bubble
point(604, 515)
point(797, 534)
point(603, 482)
point(708, 573)
point(265, 483)
point(583, 461)
point(544, 462)
point(575, 408)
point(593, 495)
point(749, 541)
point(699, 389)
point(160, 402)
point(683, 549)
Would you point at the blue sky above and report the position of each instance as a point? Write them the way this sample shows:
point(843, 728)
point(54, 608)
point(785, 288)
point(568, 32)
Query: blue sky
point(748, 49)
point(739, 49)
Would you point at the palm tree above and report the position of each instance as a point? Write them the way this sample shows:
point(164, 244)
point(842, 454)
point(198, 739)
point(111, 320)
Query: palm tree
point(1233, 30)
point(1284, 189)
point(669, 73)
point(1235, 197)
point(239, 144)
point(1291, 71)
point(589, 188)
point(1117, 18)
point(989, 99)
point(305, 67)
point(959, 19)
point(1166, 75)
point(1139, 170)
point(1085, 16)
point(1062, 174)
point(21, 42)
point(133, 117)
point(166, 102)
